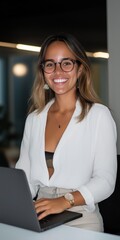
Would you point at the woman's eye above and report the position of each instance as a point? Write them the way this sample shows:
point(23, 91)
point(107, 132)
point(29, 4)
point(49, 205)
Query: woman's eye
point(67, 63)
point(49, 65)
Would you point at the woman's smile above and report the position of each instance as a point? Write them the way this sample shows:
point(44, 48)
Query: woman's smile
point(60, 80)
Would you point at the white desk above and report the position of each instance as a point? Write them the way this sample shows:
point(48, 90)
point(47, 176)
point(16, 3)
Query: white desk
point(62, 232)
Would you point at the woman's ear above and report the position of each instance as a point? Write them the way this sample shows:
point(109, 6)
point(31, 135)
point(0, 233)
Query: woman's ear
point(80, 69)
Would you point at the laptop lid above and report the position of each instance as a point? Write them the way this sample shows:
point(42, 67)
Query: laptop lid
point(17, 207)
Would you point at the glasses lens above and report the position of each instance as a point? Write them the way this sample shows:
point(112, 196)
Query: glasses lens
point(49, 66)
point(67, 65)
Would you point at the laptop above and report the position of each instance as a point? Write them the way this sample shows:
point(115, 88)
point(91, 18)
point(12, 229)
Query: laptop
point(17, 207)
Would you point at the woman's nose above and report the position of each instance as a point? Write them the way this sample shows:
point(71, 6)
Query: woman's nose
point(58, 67)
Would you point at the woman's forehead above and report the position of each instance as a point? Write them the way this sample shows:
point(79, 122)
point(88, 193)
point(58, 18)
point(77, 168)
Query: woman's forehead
point(57, 50)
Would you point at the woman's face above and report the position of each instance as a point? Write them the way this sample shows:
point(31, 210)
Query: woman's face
point(60, 81)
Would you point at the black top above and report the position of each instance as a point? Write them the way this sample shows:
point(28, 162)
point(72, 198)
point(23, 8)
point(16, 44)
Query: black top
point(49, 158)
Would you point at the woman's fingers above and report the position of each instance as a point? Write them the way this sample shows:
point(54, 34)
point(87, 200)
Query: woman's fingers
point(45, 207)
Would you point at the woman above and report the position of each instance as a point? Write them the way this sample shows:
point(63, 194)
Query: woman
point(68, 149)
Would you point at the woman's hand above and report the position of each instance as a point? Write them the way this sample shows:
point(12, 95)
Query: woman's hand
point(46, 206)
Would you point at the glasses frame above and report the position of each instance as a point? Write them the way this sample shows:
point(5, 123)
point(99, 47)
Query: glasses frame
point(72, 60)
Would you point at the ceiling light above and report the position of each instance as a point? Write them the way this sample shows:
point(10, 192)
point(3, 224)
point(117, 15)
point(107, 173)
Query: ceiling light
point(20, 69)
point(28, 47)
point(101, 55)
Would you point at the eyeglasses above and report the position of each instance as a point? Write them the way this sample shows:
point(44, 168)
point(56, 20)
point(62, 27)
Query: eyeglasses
point(67, 65)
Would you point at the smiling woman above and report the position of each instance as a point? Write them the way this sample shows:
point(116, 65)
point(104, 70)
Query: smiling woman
point(69, 122)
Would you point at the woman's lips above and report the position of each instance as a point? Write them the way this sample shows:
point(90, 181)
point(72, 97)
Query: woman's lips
point(60, 80)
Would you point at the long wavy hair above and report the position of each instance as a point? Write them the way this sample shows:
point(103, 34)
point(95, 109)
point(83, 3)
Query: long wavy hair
point(84, 89)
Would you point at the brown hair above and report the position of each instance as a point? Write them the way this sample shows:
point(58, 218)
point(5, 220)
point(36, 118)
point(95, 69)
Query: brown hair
point(84, 89)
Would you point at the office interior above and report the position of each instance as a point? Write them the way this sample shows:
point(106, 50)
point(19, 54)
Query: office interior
point(16, 79)
point(19, 48)
point(18, 68)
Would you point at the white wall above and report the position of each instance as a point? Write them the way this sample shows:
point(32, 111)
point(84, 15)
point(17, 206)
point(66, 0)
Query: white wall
point(113, 36)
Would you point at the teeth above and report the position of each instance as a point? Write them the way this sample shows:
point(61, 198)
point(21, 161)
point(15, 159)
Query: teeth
point(59, 80)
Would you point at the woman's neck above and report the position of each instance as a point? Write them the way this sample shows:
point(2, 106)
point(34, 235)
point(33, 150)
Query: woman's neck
point(64, 104)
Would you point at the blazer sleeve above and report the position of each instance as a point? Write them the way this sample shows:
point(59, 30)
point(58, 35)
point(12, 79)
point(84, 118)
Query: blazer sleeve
point(102, 182)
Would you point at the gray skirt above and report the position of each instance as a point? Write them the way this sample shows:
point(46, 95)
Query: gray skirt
point(90, 220)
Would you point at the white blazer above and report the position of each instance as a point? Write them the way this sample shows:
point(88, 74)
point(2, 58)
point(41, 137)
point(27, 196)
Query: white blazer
point(84, 160)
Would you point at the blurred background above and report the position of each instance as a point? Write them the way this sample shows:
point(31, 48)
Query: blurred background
point(29, 24)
